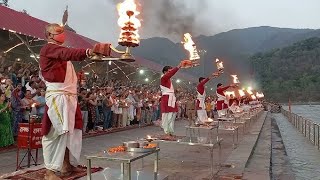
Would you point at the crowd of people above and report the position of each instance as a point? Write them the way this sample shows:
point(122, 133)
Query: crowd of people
point(105, 104)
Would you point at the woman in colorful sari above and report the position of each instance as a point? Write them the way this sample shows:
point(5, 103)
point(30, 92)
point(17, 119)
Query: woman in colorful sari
point(6, 136)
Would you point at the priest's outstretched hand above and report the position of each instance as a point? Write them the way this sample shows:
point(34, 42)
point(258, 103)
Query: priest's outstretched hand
point(185, 63)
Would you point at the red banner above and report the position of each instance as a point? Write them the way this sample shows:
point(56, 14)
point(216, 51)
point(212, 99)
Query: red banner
point(34, 136)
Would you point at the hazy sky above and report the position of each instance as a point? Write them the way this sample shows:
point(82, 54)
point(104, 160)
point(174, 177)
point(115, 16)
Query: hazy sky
point(97, 19)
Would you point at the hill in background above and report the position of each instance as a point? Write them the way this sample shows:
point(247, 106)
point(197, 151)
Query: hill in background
point(291, 72)
point(234, 47)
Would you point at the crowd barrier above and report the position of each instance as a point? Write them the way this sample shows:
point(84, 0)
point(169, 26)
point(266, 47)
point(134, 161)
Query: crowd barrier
point(307, 127)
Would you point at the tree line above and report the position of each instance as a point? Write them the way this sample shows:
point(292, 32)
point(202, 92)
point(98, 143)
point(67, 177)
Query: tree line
point(291, 72)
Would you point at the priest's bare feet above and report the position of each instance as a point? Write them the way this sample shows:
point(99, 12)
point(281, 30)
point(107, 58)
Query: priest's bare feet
point(67, 170)
point(50, 175)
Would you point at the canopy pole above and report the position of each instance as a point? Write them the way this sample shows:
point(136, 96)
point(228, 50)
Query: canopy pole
point(26, 43)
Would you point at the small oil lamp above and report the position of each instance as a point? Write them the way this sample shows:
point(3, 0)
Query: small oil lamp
point(219, 65)
point(235, 79)
point(149, 139)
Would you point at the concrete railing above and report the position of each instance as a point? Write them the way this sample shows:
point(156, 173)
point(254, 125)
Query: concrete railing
point(307, 127)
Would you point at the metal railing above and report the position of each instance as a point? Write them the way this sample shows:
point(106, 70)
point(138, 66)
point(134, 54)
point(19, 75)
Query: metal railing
point(307, 127)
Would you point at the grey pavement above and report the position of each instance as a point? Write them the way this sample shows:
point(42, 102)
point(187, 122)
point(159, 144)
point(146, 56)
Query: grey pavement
point(258, 166)
point(178, 161)
point(237, 161)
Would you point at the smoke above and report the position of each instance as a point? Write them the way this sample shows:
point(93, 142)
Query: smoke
point(173, 18)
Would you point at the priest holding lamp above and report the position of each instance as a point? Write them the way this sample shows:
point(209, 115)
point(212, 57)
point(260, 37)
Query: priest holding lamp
point(62, 120)
point(169, 107)
point(201, 97)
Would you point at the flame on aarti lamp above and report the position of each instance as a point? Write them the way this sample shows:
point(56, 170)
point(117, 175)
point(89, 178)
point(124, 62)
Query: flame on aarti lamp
point(235, 79)
point(129, 23)
point(228, 93)
point(148, 137)
point(210, 120)
point(253, 97)
point(241, 93)
point(33, 105)
point(219, 64)
point(190, 46)
point(249, 90)
point(259, 95)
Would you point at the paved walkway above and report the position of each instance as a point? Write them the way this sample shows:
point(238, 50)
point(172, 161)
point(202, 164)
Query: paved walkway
point(237, 161)
point(259, 163)
point(180, 162)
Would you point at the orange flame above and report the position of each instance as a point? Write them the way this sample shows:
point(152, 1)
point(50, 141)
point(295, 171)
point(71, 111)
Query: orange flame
point(241, 93)
point(259, 95)
point(228, 93)
point(249, 90)
point(235, 79)
point(253, 97)
point(190, 46)
point(128, 22)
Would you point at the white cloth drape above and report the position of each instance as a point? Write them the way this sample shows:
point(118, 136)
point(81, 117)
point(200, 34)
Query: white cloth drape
point(170, 92)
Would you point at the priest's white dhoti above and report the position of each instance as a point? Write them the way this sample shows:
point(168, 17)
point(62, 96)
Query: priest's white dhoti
point(168, 122)
point(202, 115)
point(54, 147)
point(61, 99)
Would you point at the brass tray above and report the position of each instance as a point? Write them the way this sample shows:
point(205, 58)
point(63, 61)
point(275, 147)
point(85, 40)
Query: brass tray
point(141, 150)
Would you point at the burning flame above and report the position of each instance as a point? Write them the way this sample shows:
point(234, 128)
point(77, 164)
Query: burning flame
point(148, 137)
point(259, 95)
point(219, 64)
point(249, 90)
point(228, 93)
point(235, 79)
point(128, 23)
point(210, 120)
point(190, 46)
point(253, 97)
point(241, 93)
point(33, 105)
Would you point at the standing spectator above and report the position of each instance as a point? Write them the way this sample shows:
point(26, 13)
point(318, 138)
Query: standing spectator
point(179, 113)
point(6, 135)
point(113, 107)
point(191, 110)
point(117, 113)
point(208, 108)
point(92, 103)
point(106, 109)
point(42, 103)
point(29, 106)
point(32, 87)
point(9, 89)
point(131, 109)
point(17, 110)
point(124, 103)
point(83, 107)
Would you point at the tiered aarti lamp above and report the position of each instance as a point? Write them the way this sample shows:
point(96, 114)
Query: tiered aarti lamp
point(235, 79)
point(129, 24)
point(190, 46)
point(129, 36)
